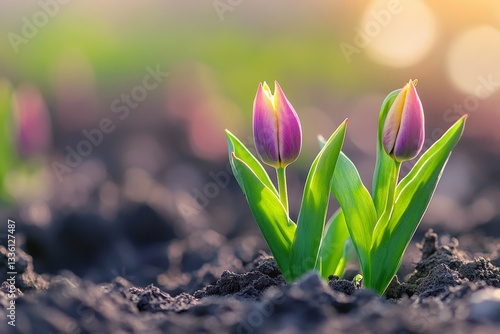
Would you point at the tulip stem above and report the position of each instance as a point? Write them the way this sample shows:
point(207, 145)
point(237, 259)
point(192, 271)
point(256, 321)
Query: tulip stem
point(282, 186)
point(393, 181)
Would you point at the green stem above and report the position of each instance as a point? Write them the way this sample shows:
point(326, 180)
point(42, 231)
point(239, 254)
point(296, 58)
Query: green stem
point(282, 186)
point(339, 271)
point(393, 181)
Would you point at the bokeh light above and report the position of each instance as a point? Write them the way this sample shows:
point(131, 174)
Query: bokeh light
point(475, 53)
point(401, 33)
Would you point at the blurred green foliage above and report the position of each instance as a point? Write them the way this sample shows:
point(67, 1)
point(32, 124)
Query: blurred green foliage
point(7, 153)
point(240, 56)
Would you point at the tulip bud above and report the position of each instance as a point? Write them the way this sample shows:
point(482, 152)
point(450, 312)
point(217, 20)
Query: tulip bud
point(403, 133)
point(276, 127)
point(32, 122)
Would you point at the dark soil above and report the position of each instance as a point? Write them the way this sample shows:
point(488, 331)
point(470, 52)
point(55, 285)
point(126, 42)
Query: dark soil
point(223, 291)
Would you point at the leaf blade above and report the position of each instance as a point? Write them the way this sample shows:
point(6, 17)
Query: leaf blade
point(360, 218)
point(385, 166)
point(236, 146)
point(312, 215)
point(278, 230)
point(413, 195)
point(332, 244)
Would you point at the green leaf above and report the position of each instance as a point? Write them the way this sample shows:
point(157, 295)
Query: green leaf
point(348, 254)
point(332, 245)
point(237, 147)
point(413, 195)
point(385, 166)
point(357, 206)
point(273, 221)
point(312, 215)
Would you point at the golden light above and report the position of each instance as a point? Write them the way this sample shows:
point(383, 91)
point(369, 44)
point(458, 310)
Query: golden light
point(400, 33)
point(473, 57)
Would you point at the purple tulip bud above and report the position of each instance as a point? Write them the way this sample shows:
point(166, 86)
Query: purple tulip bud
point(404, 133)
point(32, 122)
point(276, 127)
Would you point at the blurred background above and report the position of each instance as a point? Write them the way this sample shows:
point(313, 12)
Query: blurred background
point(113, 159)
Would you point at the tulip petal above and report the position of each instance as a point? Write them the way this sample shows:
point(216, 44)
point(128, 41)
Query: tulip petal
point(265, 126)
point(290, 132)
point(411, 135)
point(392, 122)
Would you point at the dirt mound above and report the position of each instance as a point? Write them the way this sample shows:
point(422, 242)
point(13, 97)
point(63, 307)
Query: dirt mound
point(447, 293)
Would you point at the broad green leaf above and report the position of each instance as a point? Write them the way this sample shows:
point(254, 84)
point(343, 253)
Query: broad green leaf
point(237, 147)
point(357, 207)
point(273, 221)
point(348, 254)
point(312, 215)
point(443, 146)
point(413, 195)
point(332, 256)
point(385, 166)
point(332, 245)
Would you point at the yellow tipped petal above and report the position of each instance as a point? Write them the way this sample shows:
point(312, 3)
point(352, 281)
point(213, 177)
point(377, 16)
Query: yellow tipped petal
point(403, 133)
point(276, 127)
